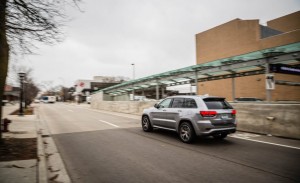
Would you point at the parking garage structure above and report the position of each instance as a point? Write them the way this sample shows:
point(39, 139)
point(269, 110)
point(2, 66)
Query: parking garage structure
point(251, 64)
point(240, 58)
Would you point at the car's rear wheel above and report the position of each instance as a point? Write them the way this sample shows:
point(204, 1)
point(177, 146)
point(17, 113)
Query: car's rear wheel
point(220, 135)
point(186, 132)
point(146, 125)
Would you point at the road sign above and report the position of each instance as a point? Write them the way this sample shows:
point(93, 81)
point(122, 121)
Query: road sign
point(270, 82)
point(285, 69)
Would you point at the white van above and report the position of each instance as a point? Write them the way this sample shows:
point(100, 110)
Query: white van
point(49, 99)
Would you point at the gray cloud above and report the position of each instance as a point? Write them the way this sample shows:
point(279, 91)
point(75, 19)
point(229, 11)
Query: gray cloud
point(156, 35)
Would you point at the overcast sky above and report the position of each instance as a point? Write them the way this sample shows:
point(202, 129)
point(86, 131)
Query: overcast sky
point(156, 35)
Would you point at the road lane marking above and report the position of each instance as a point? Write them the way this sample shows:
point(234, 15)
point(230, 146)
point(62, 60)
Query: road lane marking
point(108, 123)
point(244, 135)
point(266, 142)
point(70, 110)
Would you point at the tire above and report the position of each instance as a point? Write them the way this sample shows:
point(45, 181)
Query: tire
point(146, 125)
point(220, 136)
point(186, 132)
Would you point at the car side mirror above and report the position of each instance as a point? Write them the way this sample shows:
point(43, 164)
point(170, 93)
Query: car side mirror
point(156, 106)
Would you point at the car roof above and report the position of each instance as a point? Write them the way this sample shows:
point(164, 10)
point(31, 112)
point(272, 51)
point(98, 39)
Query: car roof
point(247, 97)
point(194, 96)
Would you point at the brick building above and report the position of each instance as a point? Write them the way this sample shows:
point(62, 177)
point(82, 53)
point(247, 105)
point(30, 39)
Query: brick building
point(11, 93)
point(239, 37)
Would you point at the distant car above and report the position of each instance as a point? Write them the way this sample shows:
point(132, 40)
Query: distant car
point(49, 99)
point(192, 116)
point(248, 99)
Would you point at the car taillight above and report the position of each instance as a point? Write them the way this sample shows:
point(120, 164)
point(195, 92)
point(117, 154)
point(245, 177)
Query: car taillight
point(208, 113)
point(233, 112)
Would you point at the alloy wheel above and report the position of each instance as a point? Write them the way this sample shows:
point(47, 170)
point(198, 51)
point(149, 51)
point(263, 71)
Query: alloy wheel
point(146, 125)
point(185, 133)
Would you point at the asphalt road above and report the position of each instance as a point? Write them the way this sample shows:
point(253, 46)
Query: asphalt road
point(101, 147)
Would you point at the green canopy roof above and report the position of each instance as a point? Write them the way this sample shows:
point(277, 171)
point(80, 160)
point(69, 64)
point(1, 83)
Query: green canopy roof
point(227, 66)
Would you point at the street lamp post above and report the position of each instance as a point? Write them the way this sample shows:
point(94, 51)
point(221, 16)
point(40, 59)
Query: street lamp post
point(133, 78)
point(133, 71)
point(22, 78)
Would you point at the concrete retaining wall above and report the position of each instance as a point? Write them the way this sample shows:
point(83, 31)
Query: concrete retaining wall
point(275, 119)
point(129, 107)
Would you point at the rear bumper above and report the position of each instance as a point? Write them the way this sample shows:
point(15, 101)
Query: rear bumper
point(205, 128)
point(223, 130)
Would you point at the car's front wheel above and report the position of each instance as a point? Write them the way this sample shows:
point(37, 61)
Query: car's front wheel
point(186, 132)
point(146, 125)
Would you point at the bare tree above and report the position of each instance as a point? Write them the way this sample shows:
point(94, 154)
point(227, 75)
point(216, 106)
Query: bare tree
point(31, 91)
point(30, 87)
point(24, 22)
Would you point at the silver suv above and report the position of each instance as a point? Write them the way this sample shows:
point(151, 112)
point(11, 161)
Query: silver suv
point(192, 116)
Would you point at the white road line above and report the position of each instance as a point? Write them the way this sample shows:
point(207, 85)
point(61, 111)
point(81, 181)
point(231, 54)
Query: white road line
point(244, 135)
point(70, 110)
point(266, 142)
point(108, 123)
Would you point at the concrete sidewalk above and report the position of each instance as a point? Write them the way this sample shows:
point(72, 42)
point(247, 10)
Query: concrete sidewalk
point(21, 127)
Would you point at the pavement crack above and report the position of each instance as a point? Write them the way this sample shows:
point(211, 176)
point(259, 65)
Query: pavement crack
point(13, 166)
point(54, 177)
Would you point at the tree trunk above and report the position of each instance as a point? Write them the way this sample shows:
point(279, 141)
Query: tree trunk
point(4, 55)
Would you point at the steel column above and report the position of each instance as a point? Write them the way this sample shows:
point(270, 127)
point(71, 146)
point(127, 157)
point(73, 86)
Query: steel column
point(157, 91)
point(233, 88)
point(268, 92)
point(196, 81)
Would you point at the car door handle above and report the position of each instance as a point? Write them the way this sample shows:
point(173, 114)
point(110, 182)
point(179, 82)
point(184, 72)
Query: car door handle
point(164, 110)
point(179, 110)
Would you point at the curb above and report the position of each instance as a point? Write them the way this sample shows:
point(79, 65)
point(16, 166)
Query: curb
point(51, 167)
point(42, 176)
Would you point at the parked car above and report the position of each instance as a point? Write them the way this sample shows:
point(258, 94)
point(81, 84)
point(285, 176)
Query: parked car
point(248, 99)
point(192, 116)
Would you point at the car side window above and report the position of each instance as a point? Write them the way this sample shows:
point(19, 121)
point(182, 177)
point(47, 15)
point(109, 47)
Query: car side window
point(165, 103)
point(190, 103)
point(178, 103)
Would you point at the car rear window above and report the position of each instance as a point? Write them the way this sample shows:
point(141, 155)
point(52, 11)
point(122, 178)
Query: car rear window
point(217, 103)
